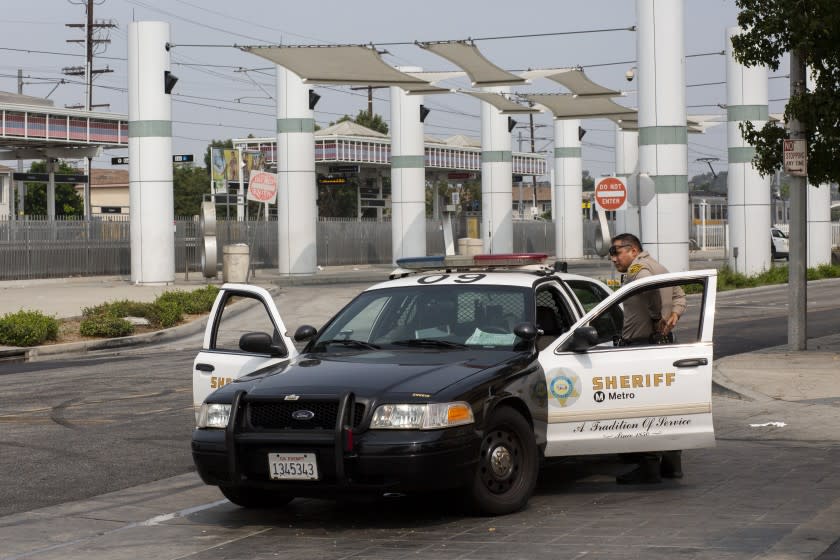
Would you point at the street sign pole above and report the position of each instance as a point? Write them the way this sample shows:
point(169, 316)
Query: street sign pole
point(798, 250)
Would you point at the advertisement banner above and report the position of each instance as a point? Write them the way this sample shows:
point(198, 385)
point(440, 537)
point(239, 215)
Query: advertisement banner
point(225, 165)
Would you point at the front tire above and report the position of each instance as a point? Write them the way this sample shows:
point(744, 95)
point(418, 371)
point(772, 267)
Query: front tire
point(254, 497)
point(508, 465)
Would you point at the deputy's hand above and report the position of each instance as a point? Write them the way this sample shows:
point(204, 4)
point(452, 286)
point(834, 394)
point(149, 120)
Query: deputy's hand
point(667, 325)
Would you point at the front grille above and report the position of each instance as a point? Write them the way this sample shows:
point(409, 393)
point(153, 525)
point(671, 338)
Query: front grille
point(279, 415)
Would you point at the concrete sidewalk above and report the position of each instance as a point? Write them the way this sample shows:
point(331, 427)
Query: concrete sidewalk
point(772, 373)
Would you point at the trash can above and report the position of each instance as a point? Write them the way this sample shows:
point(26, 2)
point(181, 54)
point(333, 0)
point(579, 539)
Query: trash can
point(468, 246)
point(235, 263)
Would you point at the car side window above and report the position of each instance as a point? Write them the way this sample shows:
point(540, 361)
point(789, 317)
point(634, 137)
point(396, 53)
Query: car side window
point(589, 294)
point(633, 321)
point(240, 314)
point(553, 316)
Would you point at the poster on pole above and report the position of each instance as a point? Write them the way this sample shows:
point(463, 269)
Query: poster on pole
point(262, 187)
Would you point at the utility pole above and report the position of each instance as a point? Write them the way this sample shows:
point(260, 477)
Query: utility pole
point(21, 187)
point(533, 177)
point(521, 210)
point(798, 259)
point(88, 71)
point(90, 41)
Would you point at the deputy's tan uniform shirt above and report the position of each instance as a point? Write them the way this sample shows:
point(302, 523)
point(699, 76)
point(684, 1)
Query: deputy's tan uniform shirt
point(642, 312)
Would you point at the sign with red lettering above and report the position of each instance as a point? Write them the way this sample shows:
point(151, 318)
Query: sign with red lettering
point(262, 186)
point(611, 193)
point(795, 157)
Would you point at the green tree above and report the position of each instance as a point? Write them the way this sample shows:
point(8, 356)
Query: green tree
point(68, 202)
point(810, 28)
point(337, 201)
point(373, 122)
point(190, 184)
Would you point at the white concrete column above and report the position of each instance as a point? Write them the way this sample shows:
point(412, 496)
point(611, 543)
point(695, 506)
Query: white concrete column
point(297, 196)
point(408, 174)
point(626, 164)
point(662, 129)
point(151, 201)
point(748, 192)
point(496, 179)
point(568, 190)
point(819, 216)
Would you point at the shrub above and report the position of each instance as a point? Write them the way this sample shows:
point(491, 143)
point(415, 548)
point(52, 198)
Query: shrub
point(165, 313)
point(105, 325)
point(27, 328)
point(119, 308)
point(201, 300)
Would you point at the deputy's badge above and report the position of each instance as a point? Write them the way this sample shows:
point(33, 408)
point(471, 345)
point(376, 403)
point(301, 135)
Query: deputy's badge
point(634, 268)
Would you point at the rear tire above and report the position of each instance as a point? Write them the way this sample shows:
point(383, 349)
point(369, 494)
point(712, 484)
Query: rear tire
point(508, 465)
point(255, 497)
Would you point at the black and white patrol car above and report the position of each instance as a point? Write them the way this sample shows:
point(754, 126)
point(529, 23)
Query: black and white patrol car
point(463, 377)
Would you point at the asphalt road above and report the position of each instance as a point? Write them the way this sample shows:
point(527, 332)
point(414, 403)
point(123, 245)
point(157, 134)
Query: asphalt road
point(78, 428)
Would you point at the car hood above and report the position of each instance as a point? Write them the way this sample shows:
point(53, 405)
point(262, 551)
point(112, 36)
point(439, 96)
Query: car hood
point(371, 372)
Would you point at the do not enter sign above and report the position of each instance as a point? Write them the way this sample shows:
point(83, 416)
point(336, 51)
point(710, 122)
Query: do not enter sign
point(611, 193)
point(262, 186)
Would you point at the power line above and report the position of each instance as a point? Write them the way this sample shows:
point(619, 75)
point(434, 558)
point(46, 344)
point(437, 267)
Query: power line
point(34, 51)
point(521, 36)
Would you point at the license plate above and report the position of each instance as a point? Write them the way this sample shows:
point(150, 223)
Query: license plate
point(292, 466)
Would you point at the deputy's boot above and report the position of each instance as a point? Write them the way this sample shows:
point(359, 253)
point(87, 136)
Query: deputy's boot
point(646, 473)
point(671, 464)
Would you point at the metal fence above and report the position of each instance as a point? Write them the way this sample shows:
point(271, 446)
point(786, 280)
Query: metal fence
point(39, 248)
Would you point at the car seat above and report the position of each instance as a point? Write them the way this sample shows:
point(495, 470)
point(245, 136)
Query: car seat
point(549, 325)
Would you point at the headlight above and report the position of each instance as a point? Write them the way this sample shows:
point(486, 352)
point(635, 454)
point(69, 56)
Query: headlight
point(213, 416)
point(431, 416)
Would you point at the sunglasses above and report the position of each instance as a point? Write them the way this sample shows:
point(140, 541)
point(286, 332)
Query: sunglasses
point(614, 249)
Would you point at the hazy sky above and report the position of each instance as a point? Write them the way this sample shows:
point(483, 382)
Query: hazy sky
point(225, 93)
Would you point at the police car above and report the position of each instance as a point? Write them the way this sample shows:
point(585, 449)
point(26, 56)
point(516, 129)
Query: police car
point(459, 373)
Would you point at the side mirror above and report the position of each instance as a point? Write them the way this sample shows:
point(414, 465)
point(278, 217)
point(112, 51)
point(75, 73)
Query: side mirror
point(582, 339)
point(526, 331)
point(259, 343)
point(304, 333)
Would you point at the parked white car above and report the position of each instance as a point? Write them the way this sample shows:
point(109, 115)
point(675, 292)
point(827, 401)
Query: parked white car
point(779, 244)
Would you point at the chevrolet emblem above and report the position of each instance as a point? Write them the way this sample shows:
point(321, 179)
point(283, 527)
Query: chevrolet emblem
point(291, 397)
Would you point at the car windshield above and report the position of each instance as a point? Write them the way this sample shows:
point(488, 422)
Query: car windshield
point(436, 317)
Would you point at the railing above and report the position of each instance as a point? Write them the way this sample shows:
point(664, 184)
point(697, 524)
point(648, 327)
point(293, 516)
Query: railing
point(377, 151)
point(62, 125)
point(38, 248)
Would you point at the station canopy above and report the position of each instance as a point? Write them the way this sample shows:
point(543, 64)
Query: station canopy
point(573, 79)
point(342, 64)
point(482, 72)
point(571, 106)
point(362, 65)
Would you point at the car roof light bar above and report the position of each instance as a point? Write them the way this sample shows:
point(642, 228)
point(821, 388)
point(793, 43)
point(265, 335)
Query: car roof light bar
point(474, 261)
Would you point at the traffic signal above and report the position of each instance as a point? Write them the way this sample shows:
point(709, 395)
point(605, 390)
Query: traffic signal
point(169, 81)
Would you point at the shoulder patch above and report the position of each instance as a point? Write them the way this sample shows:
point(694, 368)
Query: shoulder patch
point(634, 268)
